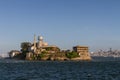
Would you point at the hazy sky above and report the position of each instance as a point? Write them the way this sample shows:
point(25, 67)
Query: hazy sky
point(65, 23)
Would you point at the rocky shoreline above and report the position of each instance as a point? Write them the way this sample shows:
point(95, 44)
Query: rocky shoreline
point(52, 57)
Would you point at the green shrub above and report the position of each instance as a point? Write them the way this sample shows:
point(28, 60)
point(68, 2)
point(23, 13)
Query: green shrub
point(72, 55)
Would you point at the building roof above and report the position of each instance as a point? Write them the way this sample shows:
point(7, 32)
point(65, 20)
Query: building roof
point(80, 46)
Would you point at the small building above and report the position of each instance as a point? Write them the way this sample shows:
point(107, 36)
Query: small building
point(13, 53)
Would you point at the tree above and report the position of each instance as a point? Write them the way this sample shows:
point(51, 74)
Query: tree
point(25, 46)
point(56, 49)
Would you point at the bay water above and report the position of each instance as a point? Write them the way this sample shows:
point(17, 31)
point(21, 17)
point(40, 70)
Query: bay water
point(59, 70)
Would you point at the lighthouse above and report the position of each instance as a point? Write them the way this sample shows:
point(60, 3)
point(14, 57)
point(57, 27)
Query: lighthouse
point(40, 41)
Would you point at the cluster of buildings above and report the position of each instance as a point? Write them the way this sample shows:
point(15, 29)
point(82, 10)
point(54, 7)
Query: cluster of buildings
point(37, 47)
point(41, 46)
point(106, 53)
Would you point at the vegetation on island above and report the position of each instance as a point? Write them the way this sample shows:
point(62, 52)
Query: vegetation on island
point(72, 54)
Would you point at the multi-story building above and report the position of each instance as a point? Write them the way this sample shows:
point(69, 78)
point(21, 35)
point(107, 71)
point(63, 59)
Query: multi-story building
point(82, 50)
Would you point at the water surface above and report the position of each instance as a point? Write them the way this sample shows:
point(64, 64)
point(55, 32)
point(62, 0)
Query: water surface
point(58, 70)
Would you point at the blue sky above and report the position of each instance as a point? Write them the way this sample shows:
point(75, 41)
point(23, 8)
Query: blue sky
point(65, 23)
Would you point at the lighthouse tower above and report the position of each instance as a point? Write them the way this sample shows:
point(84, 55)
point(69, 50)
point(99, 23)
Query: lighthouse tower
point(40, 41)
point(34, 47)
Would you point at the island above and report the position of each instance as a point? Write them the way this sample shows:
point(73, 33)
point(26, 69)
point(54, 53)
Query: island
point(40, 50)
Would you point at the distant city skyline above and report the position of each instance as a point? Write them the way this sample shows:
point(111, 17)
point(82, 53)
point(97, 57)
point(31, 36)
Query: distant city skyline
point(64, 23)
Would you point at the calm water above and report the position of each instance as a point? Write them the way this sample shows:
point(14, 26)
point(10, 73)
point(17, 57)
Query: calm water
point(67, 70)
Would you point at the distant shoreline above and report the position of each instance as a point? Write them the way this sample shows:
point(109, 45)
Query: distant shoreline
point(101, 58)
